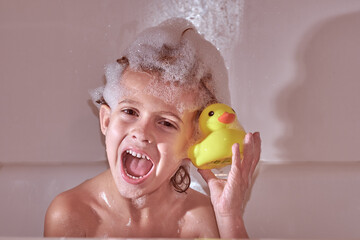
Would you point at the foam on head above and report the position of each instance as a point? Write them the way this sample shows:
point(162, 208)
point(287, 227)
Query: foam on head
point(182, 60)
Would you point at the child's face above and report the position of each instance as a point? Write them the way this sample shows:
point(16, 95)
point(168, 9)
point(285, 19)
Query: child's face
point(152, 130)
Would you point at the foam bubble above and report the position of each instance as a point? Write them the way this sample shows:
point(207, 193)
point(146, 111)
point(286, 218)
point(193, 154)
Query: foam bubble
point(139, 202)
point(180, 54)
point(183, 60)
point(129, 223)
point(180, 224)
point(112, 90)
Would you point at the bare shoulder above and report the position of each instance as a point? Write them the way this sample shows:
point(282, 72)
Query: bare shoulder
point(200, 216)
point(71, 213)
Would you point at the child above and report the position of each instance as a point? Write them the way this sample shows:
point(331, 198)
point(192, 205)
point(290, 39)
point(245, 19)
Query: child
point(148, 114)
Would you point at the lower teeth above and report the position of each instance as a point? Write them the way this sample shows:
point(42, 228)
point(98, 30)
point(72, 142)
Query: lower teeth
point(131, 176)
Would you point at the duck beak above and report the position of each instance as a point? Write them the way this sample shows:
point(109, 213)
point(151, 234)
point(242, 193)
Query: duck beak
point(227, 118)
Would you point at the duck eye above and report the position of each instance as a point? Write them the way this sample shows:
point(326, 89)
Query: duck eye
point(211, 113)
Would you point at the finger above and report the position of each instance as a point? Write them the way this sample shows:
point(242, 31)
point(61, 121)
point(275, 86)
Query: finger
point(235, 170)
point(257, 152)
point(207, 175)
point(248, 154)
point(236, 159)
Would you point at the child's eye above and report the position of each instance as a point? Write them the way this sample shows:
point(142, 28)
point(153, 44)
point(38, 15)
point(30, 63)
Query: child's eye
point(130, 111)
point(168, 124)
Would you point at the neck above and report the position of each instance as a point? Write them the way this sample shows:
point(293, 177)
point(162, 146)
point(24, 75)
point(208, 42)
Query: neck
point(153, 199)
point(155, 203)
point(148, 205)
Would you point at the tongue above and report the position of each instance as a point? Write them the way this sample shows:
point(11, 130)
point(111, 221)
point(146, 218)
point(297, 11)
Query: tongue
point(137, 167)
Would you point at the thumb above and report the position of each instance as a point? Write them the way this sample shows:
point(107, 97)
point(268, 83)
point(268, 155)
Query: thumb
point(207, 175)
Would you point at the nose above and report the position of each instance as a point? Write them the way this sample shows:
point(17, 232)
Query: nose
point(140, 136)
point(142, 132)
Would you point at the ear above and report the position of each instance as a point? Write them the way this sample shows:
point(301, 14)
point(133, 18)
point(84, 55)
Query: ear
point(104, 115)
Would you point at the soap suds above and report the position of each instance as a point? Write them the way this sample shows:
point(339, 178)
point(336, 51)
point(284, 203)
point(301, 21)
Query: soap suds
point(129, 223)
point(181, 58)
point(139, 202)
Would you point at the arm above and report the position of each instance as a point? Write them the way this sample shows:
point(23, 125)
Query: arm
point(228, 196)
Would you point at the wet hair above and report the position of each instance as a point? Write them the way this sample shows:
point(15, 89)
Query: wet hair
point(181, 180)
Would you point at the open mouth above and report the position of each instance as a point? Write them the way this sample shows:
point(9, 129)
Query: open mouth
point(136, 166)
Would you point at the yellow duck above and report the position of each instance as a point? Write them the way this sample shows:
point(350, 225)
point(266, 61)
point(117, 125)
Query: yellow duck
point(220, 129)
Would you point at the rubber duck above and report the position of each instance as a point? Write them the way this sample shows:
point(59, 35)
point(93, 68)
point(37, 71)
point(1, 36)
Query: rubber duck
point(220, 130)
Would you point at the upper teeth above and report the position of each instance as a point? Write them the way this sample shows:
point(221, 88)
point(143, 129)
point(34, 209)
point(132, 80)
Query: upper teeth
point(138, 155)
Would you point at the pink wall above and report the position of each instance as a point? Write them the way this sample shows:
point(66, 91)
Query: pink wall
point(295, 75)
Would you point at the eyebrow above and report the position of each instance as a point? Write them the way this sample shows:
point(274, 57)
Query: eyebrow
point(129, 101)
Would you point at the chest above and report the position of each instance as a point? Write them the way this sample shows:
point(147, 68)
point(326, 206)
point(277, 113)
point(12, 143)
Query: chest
point(169, 226)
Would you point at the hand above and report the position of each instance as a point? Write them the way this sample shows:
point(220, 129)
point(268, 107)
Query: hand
point(228, 196)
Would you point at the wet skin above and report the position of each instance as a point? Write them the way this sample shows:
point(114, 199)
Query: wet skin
point(114, 204)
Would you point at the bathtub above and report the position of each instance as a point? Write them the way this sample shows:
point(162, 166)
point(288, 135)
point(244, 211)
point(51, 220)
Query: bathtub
point(296, 200)
point(293, 76)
